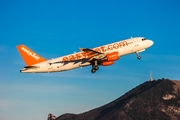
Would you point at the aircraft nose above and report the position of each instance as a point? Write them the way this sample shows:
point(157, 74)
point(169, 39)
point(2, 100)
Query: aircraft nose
point(150, 42)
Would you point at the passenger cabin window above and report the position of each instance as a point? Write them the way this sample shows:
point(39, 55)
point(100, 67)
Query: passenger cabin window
point(143, 39)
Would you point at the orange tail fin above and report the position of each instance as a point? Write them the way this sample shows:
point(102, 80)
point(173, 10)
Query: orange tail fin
point(29, 57)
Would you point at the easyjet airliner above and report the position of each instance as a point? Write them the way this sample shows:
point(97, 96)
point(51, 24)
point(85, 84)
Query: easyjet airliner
point(100, 56)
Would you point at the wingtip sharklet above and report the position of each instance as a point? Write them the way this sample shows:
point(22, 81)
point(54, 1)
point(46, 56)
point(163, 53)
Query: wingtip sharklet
point(81, 49)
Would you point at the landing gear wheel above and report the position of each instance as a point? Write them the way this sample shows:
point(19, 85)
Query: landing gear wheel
point(139, 57)
point(96, 67)
point(93, 70)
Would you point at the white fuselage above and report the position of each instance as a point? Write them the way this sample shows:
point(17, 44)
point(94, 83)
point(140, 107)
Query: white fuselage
point(78, 59)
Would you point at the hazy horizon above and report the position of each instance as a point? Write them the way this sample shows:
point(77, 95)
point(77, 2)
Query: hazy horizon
point(56, 28)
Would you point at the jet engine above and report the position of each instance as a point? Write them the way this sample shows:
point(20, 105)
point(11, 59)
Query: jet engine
point(112, 56)
point(107, 63)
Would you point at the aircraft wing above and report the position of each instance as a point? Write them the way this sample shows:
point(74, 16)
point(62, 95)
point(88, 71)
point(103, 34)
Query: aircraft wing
point(92, 54)
point(89, 50)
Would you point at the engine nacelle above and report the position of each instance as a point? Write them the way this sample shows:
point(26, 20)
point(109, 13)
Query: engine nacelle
point(112, 56)
point(107, 63)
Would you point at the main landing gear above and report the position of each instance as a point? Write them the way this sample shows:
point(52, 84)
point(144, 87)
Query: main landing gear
point(138, 56)
point(94, 67)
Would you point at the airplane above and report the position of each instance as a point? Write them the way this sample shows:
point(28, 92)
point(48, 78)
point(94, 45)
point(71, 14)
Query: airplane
point(105, 55)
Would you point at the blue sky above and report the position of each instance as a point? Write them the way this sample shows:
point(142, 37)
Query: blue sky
point(56, 28)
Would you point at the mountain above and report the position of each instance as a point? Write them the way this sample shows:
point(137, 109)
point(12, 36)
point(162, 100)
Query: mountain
point(152, 100)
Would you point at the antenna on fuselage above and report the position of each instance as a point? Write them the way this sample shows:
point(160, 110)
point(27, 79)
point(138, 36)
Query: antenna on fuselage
point(150, 76)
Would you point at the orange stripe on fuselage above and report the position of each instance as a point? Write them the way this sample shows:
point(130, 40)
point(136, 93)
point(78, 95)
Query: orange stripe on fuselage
point(103, 49)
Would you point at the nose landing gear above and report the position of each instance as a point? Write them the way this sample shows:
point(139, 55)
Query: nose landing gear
point(138, 56)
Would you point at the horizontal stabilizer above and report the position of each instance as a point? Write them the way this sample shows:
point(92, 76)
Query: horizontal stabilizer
point(31, 67)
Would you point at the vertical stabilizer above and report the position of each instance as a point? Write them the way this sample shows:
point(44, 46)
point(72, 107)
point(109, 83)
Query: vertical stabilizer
point(29, 57)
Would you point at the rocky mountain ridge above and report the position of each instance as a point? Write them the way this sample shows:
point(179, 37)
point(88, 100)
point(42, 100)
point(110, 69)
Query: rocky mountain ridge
point(151, 100)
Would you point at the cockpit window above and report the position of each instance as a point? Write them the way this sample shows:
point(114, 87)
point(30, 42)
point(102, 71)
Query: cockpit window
point(143, 39)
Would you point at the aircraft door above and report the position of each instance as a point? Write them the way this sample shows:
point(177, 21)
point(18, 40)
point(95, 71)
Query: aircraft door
point(136, 44)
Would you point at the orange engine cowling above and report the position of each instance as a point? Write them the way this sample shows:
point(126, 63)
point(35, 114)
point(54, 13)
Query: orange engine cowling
point(107, 63)
point(112, 56)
